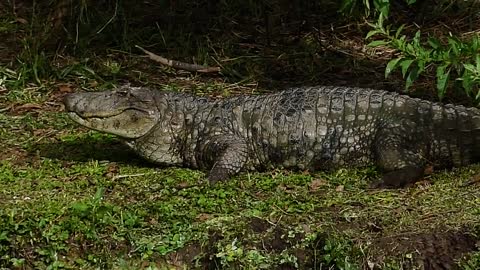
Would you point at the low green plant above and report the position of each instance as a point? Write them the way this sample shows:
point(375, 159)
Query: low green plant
point(454, 58)
point(338, 254)
point(471, 262)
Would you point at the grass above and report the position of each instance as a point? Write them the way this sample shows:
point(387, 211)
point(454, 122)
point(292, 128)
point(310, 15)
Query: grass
point(72, 198)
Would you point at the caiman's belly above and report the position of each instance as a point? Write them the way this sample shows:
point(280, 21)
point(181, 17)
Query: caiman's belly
point(311, 154)
point(308, 139)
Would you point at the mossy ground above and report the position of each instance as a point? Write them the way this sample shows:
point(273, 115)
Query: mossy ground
point(74, 198)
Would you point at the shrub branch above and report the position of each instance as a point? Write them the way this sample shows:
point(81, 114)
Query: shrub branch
point(179, 65)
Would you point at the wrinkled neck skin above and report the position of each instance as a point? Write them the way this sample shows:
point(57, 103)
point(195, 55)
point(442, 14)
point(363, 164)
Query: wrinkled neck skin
point(168, 141)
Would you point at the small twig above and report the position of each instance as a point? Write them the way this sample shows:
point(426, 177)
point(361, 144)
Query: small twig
point(281, 210)
point(111, 19)
point(271, 223)
point(179, 65)
point(130, 175)
point(45, 135)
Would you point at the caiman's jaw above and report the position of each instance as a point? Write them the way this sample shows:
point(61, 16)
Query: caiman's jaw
point(128, 124)
point(128, 113)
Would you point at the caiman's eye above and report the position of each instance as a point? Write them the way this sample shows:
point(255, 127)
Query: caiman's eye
point(123, 93)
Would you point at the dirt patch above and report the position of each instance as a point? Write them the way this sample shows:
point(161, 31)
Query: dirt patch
point(432, 250)
point(273, 237)
point(258, 225)
point(254, 234)
point(427, 250)
point(18, 156)
point(185, 256)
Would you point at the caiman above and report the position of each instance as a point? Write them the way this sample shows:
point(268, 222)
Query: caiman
point(307, 128)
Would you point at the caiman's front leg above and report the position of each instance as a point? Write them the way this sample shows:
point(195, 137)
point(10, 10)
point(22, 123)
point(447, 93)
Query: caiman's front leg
point(227, 155)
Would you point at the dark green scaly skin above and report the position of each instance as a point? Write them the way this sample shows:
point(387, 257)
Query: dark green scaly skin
point(309, 128)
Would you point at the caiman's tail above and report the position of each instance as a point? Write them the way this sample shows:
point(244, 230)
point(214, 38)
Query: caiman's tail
point(457, 133)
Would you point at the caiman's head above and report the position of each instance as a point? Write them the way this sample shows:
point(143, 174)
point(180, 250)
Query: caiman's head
point(128, 112)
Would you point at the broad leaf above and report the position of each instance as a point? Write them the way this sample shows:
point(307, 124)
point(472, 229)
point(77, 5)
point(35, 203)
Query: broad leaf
point(442, 79)
point(383, 6)
point(405, 64)
point(399, 30)
point(421, 66)
point(373, 32)
point(417, 36)
point(469, 67)
point(99, 194)
point(412, 76)
point(477, 61)
point(475, 43)
point(434, 43)
point(409, 49)
point(392, 64)
point(454, 45)
point(81, 208)
point(467, 82)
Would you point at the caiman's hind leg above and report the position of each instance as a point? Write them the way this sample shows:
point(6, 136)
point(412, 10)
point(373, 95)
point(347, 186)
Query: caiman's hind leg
point(227, 155)
point(400, 157)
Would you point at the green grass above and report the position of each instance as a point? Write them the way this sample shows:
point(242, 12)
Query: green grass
point(72, 198)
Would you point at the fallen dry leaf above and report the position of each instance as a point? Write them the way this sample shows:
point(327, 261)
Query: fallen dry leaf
point(93, 84)
point(112, 170)
point(286, 189)
point(203, 217)
point(65, 88)
point(27, 107)
point(260, 195)
point(21, 20)
point(40, 132)
point(316, 184)
point(306, 228)
point(424, 182)
point(428, 169)
point(183, 185)
point(153, 221)
point(340, 188)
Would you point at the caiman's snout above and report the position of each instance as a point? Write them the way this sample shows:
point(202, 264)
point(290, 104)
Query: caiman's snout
point(89, 104)
point(82, 104)
point(126, 113)
point(69, 101)
point(77, 103)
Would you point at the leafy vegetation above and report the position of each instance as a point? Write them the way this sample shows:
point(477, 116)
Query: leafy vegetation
point(446, 55)
point(415, 58)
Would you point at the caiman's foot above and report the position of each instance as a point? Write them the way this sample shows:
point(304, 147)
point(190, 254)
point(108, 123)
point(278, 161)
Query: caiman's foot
point(399, 178)
point(219, 174)
point(228, 154)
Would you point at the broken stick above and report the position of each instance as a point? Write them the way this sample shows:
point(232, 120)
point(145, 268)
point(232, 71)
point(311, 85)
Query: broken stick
point(179, 65)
